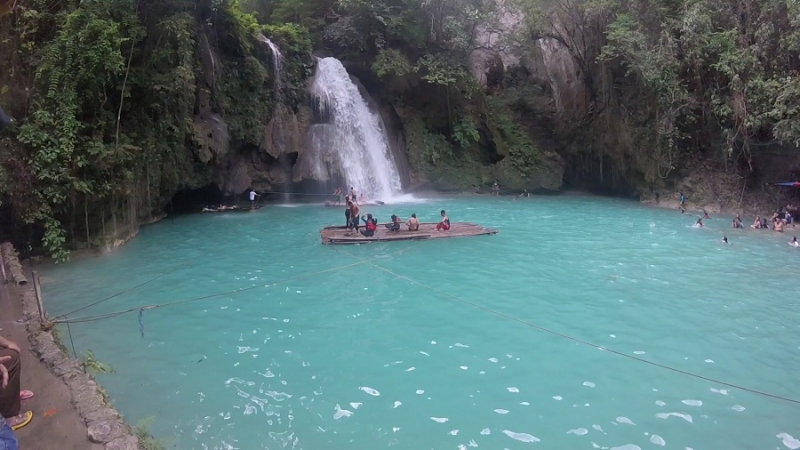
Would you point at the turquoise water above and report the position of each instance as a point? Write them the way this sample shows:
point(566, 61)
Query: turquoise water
point(356, 351)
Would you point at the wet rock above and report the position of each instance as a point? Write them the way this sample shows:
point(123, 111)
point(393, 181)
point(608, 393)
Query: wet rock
point(107, 431)
point(123, 443)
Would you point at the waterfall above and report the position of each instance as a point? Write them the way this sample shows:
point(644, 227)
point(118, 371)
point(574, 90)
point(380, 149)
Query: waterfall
point(278, 133)
point(277, 64)
point(348, 138)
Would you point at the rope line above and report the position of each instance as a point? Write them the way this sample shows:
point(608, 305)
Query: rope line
point(578, 340)
point(206, 297)
point(121, 292)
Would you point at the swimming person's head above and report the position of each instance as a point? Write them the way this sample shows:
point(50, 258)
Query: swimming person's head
point(725, 239)
point(442, 213)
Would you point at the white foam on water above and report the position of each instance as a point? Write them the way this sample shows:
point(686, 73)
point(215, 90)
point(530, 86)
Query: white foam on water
point(425, 354)
point(494, 360)
point(657, 440)
point(737, 408)
point(370, 391)
point(524, 403)
point(588, 383)
point(598, 428)
point(513, 389)
point(613, 335)
point(710, 361)
point(339, 412)
point(686, 417)
point(482, 372)
point(397, 404)
point(557, 397)
point(355, 405)
point(639, 352)
point(578, 431)
point(627, 447)
point(522, 437)
point(463, 367)
point(440, 419)
point(720, 391)
point(789, 441)
point(420, 391)
point(411, 368)
point(462, 447)
point(395, 429)
point(692, 402)
point(433, 342)
point(486, 431)
point(625, 420)
point(453, 432)
point(472, 443)
point(458, 344)
point(660, 403)
point(501, 411)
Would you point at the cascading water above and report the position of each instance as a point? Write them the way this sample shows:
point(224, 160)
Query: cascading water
point(278, 129)
point(349, 138)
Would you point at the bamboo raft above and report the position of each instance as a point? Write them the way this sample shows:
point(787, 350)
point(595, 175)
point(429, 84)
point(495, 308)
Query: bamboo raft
point(341, 235)
point(237, 209)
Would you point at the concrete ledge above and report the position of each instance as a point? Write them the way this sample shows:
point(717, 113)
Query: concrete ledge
point(104, 424)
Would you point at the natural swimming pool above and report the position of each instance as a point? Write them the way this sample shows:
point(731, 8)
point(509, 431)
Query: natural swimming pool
point(435, 344)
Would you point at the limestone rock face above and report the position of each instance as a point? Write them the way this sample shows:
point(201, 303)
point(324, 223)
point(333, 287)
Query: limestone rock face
point(496, 48)
point(553, 66)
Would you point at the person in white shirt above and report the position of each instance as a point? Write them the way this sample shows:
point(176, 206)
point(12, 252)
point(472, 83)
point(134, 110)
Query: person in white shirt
point(253, 196)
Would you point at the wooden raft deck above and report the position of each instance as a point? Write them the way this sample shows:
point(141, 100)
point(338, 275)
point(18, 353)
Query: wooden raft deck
point(340, 235)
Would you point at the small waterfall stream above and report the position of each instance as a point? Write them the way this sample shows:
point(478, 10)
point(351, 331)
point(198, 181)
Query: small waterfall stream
point(279, 132)
point(349, 139)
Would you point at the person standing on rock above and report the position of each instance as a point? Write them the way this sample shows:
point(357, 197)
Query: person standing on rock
point(10, 394)
point(495, 188)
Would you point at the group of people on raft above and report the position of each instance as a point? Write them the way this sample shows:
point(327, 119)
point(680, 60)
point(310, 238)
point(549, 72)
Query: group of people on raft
point(353, 221)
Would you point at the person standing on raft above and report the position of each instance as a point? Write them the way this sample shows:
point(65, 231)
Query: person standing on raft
point(355, 217)
point(444, 224)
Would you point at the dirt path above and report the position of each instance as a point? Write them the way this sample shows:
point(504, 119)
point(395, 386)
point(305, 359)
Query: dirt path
point(56, 424)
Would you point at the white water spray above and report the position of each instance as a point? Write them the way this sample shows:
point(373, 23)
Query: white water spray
point(352, 142)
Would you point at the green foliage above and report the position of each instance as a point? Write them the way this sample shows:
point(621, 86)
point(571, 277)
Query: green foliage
point(107, 93)
point(392, 62)
point(465, 133)
point(523, 153)
point(91, 365)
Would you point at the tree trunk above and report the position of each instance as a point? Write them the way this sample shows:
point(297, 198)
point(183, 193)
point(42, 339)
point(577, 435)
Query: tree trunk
point(86, 218)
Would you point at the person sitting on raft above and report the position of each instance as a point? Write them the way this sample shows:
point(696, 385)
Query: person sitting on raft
point(354, 215)
point(371, 226)
point(413, 223)
point(444, 224)
point(395, 224)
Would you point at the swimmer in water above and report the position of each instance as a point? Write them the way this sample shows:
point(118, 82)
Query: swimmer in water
point(699, 223)
point(794, 242)
point(705, 215)
point(725, 239)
